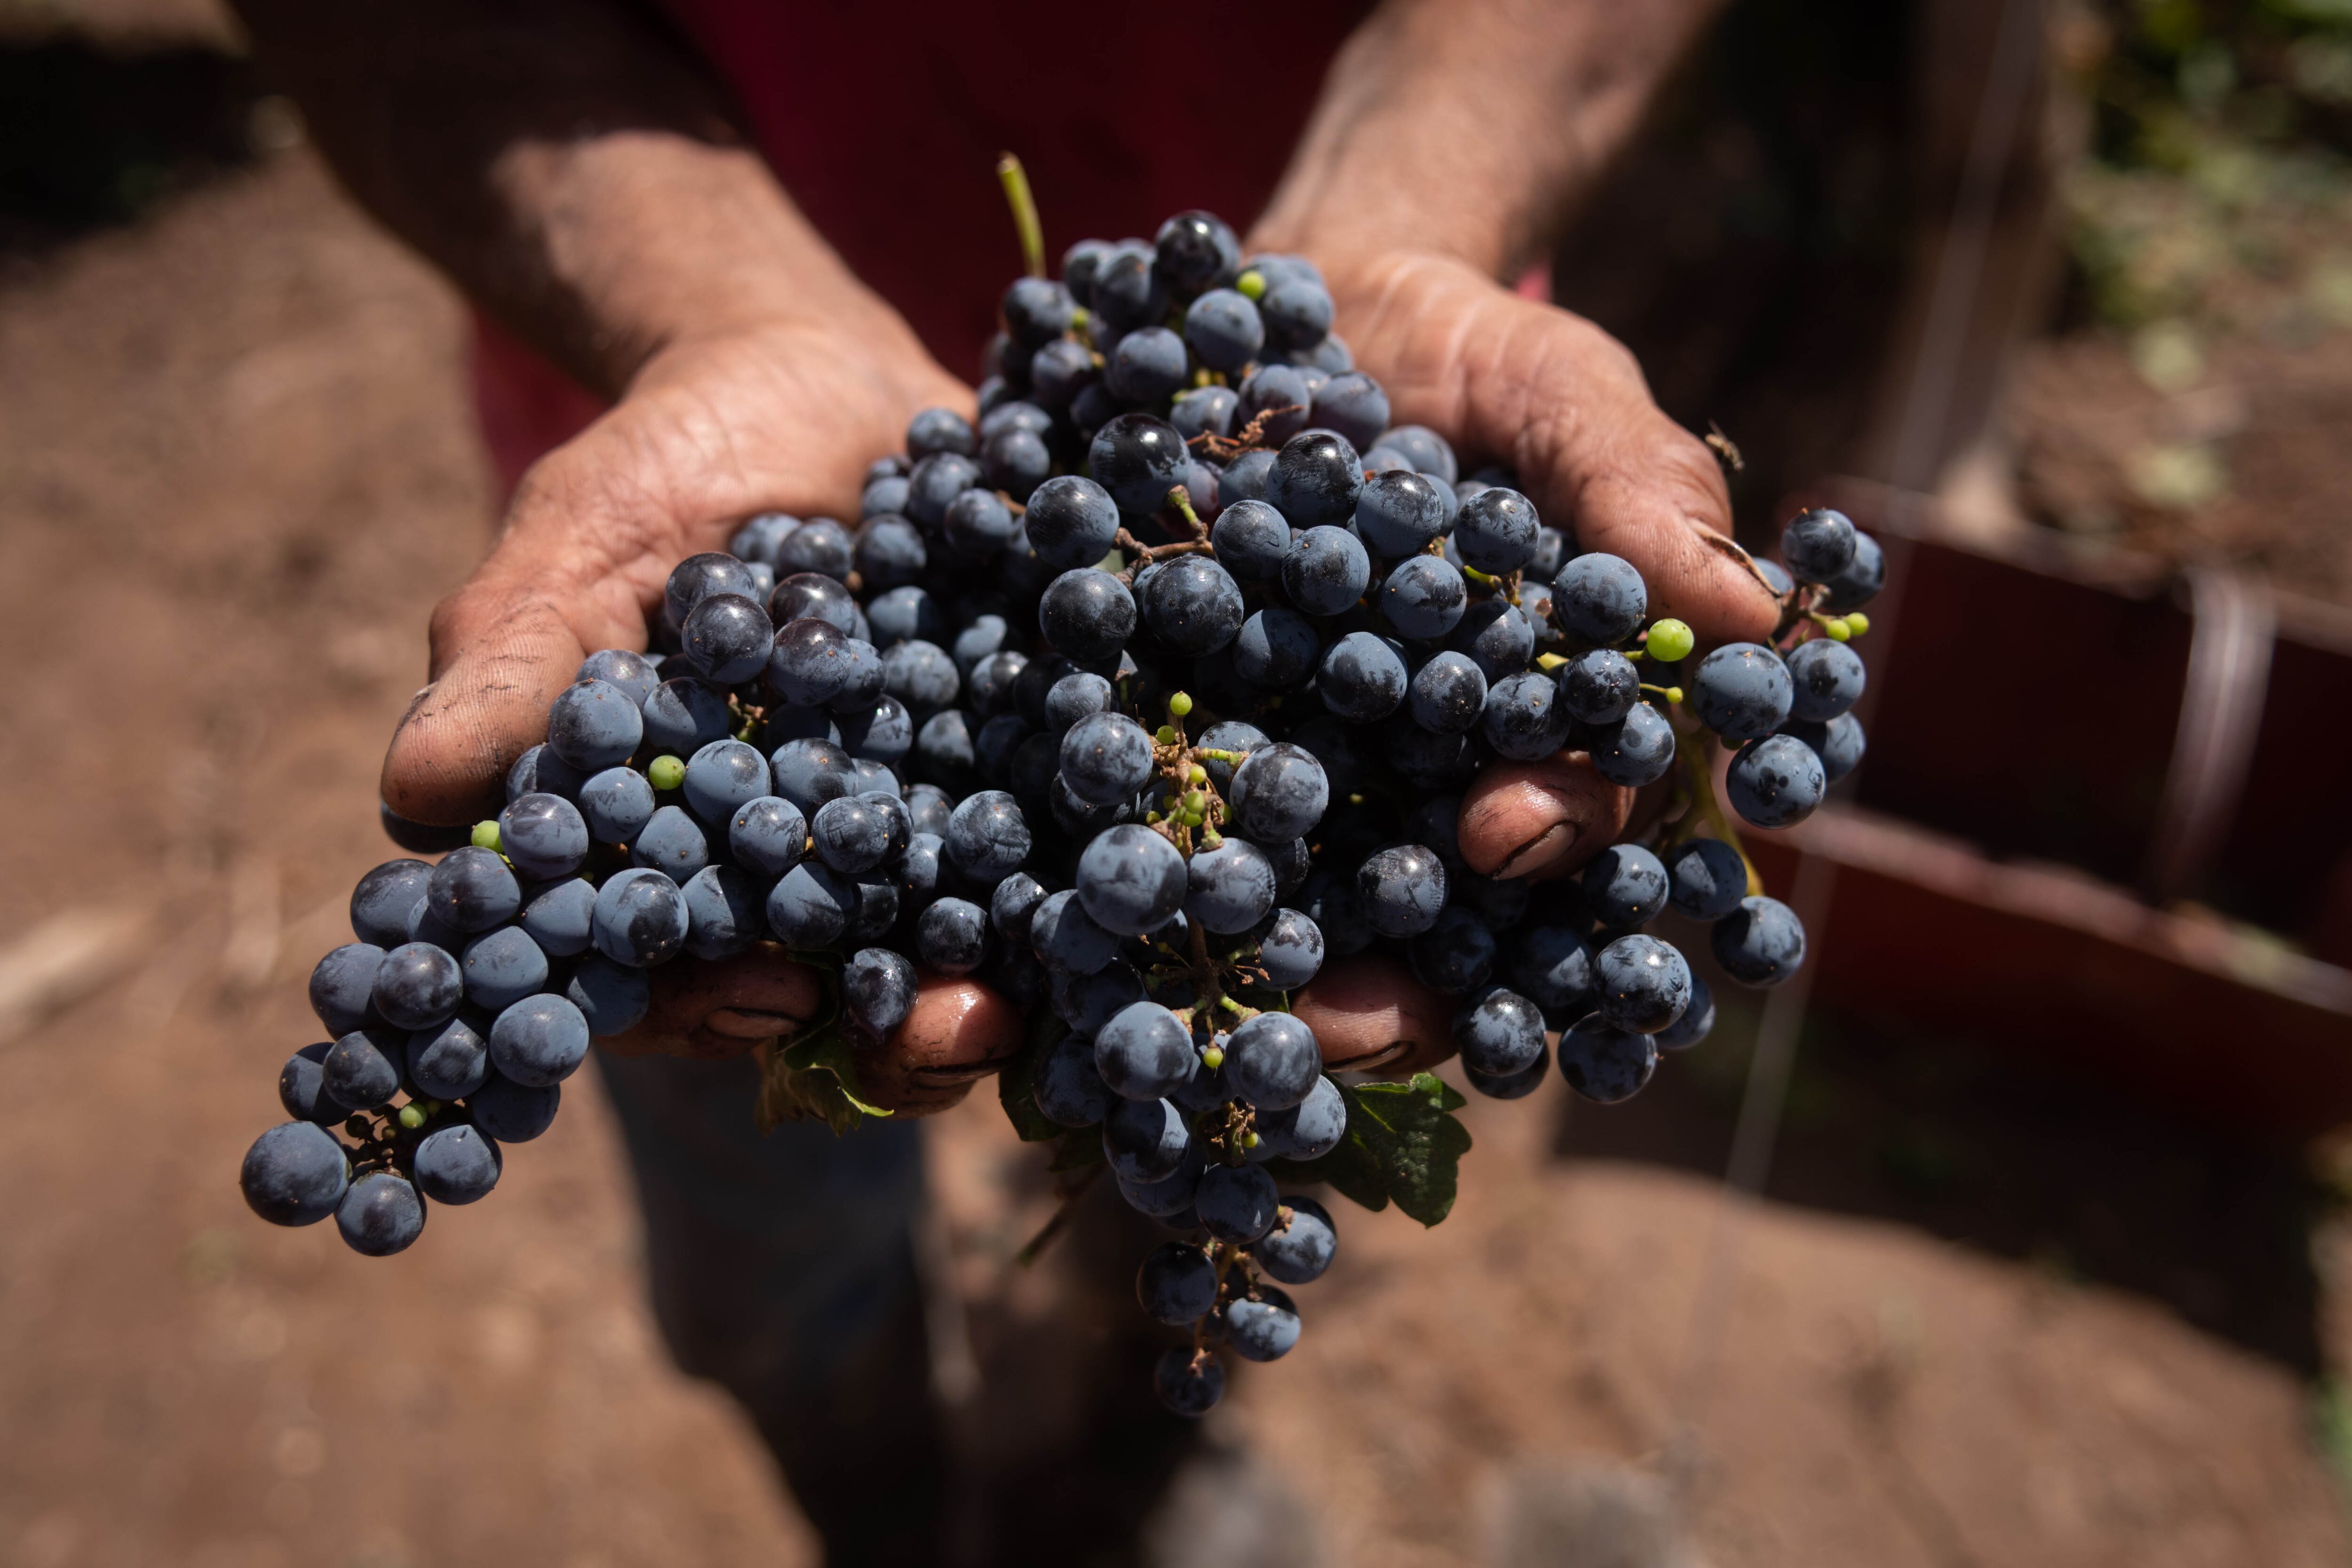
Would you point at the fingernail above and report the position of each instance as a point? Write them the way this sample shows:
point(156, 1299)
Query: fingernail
point(752, 1023)
point(1538, 852)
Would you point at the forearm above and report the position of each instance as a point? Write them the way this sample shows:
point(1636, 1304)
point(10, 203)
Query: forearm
point(567, 164)
point(1465, 128)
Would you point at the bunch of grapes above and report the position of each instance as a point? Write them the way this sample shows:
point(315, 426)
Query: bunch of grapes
point(1138, 703)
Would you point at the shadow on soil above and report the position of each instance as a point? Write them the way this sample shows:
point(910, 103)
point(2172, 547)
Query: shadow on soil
point(1965, 1142)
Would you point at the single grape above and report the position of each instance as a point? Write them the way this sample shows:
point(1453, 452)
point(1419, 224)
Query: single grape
point(695, 578)
point(619, 666)
point(1707, 877)
point(1193, 604)
point(1496, 636)
point(1316, 479)
point(1825, 679)
point(544, 836)
point(1760, 943)
point(1273, 1061)
point(1698, 1018)
point(1861, 579)
point(1069, 1092)
point(1307, 1130)
point(1276, 398)
point(1599, 599)
point(1261, 1327)
point(987, 837)
point(380, 1215)
point(1774, 782)
point(594, 724)
point(725, 636)
point(1606, 1064)
point(1399, 512)
point(1137, 459)
point(382, 900)
point(1741, 691)
point(1839, 743)
point(755, 542)
point(724, 912)
point(1245, 478)
point(1144, 1140)
point(1089, 1002)
point(472, 889)
point(452, 1060)
point(1635, 751)
point(1301, 1244)
point(1353, 405)
point(1624, 886)
point(1425, 448)
point(1229, 888)
point(501, 967)
point(1145, 1052)
point(1189, 1382)
point(1087, 614)
point(343, 986)
point(1130, 880)
point(295, 1173)
point(640, 918)
point(808, 773)
point(813, 595)
point(1399, 889)
point(1075, 698)
point(1290, 951)
point(673, 844)
point(512, 1113)
point(537, 1041)
point(1423, 598)
point(1177, 1284)
point(681, 718)
point(1554, 969)
point(1223, 329)
point(1818, 545)
point(613, 997)
point(1496, 530)
point(1105, 758)
point(1644, 984)
point(1512, 1086)
point(418, 985)
point(810, 905)
point(456, 1165)
point(1455, 955)
point(1237, 1203)
point(1526, 718)
point(1670, 641)
point(362, 1070)
point(1277, 649)
point(541, 771)
point(951, 936)
point(1361, 679)
point(616, 806)
point(879, 989)
point(1599, 686)
point(302, 1087)
point(1066, 939)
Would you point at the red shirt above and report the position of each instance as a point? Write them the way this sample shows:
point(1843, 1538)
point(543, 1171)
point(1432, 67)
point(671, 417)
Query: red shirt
point(885, 122)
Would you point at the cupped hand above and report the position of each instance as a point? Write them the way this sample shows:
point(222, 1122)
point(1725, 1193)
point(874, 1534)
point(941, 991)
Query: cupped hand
point(1563, 405)
point(780, 418)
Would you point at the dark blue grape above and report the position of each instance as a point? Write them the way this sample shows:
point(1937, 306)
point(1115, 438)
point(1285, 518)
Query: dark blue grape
point(1326, 571)
point(1089, 1002)
point(1307, 1130)
point(418, 985)
point(1204, 411)
point(1137, 459)
point(1644, 984)
point(594, 724)
point(1245, 478)
point(921, 675)
point(1499, 1034)
point(1625, 886)
point(382, 900)
point(1229, 888)
point(544, 836)
point(1316, 479)
point(1774, 782)
point(380, 1215)
point(1130, 880)
point(1015, 461)
point(449, 1062)
point(1401, 889)
point(768, 836)
point(537, 1041)
point(1818, 545)
point(905, 613)
point(810, 905)
point(541, 771)
point(1144, 1140)
point(1606, 1064)
point(1495, 529)
point(878, 987)
point(1195, 250)
point(1187, 1381)
point(1512, 1086)
point(1399, 512)
point(1087, 614)
point(1105, 758)
point(1708, 877)
point(977, 524)
point(502, 967)
point(1859, 583)
point(812, 595)
point(1760, 943)
point(727, 637)
point(884, 497)
point(682, 717)
point(302, 1087)
point(1237, 1203)
point(1427, 450)
point(1035, 312)
point(1146, 367)
point(619, 666)
point(1067, 938)
point(1290, 951)
point(1599, 599)
point(295, 1173)
point(1839, 743)
point(1144, 1053)
point(1698, 1018)
point(511, 1112)
point(1193, 604)
point(1742, 691)
point(1497, 637)
point(1455, 955)
point(1448, 694)
point(1825, 679)
point(673, 844)
point(558, 916)
point(1263, 1327)
point(1071, 521)
point(951, 936)
point(987, 837)
point(1423, 598)
point(640, 918)
point(1298, 312)
point(1177, 1284)
point(362, 1070)
point(755, 542)
point(1300, 1245)
point(455, 1165)
point(1526, 718)
point(991, 687)
point(1276, 398)
point(613, 997)
point(888, 553)
point(808, 773)
point(1272, 1061)
point(343, 986)
point(723, 913)
point(1635, 751)
point(616, 806)
point(1075, 698)
point(1361, 678)
point(1599, 686)
point(883, 733)
point(695, 579)
point(472, 889)
point(935, 483)
point(1352, 404)
point(1252, 540)
point(851, 835)
point(1069, 1091)
point(1279, 791)
point(940, 430)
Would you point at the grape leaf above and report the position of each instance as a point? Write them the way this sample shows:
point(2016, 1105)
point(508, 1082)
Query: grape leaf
point(814, 1079)
point(1404, 1144)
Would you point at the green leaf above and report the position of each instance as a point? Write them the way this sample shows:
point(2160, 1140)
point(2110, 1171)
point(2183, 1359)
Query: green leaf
point(1404, 1144)
point(814, 1079)
point(1016, 1084)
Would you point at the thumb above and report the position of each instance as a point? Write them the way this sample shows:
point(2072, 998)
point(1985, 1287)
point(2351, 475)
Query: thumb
point(1525, 820)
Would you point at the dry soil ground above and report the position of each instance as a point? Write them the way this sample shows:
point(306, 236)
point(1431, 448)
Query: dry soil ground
point(236, 470)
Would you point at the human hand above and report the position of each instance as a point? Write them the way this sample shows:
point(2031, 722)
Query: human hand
point(775, 418)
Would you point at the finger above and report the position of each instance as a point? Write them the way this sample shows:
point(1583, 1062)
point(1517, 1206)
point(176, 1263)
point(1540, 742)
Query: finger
point(1567, 407)
point(1372, 1016)
point(958, 1033)
point(1522, 819)
point(713, 1009)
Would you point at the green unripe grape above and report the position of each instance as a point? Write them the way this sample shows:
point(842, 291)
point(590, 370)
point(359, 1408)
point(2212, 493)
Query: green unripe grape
point(1212, 1058)
point(1672, 641)
point(1197, 774)
point(1838, 630)
point(1857, 623)
point(665, 772)
point(486, 835)
point(1249, 1141)
point(1180, 704)
point(1167, 736)
point(1250, 285)
point(412, 1117)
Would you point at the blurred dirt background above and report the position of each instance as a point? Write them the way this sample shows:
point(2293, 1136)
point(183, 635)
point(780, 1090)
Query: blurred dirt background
point(1986, 1317)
